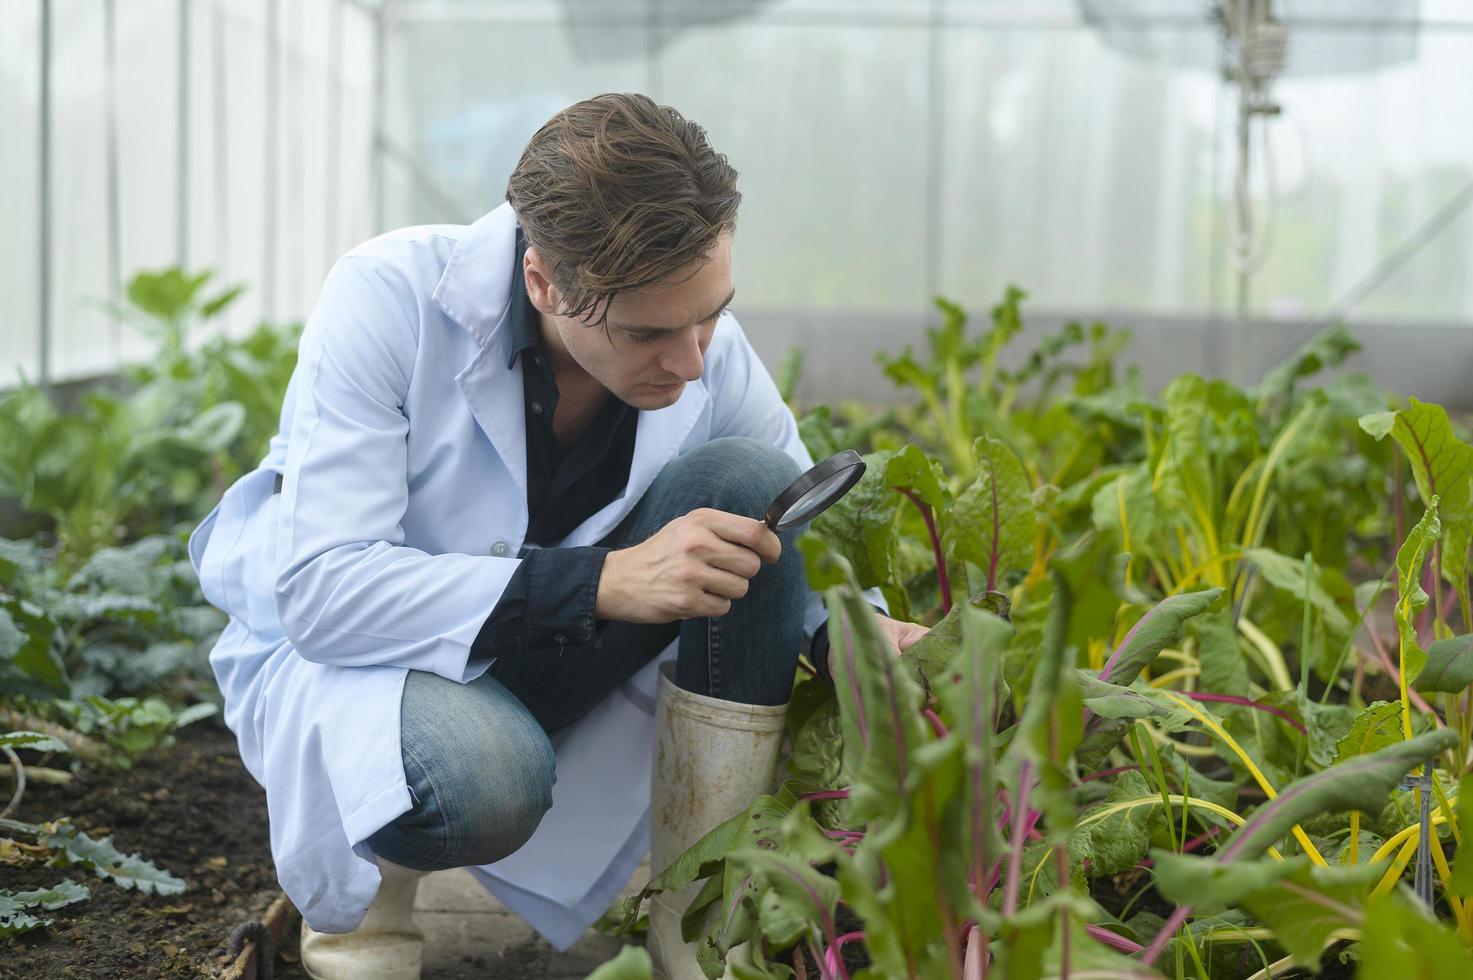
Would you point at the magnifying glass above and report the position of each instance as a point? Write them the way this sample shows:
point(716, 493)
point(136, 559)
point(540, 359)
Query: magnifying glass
point(815, 491)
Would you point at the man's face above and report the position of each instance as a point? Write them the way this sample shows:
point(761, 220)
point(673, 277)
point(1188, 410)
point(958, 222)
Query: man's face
point(656, 337)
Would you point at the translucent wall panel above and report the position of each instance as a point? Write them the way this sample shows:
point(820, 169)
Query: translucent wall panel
point(271, 186)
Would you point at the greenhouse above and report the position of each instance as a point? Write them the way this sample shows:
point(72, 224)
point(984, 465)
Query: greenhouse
point(679, 489)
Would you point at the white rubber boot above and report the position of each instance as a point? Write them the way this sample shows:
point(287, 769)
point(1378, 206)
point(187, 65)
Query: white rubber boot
point(712, 758)
point(387, 945)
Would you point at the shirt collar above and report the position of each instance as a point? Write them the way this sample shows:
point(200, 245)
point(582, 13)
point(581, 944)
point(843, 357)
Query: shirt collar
point(521, 315)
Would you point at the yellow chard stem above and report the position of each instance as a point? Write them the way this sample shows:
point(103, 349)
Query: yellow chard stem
point(1211, 724)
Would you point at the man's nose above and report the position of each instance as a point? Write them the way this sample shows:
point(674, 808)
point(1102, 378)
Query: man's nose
point(685, 360)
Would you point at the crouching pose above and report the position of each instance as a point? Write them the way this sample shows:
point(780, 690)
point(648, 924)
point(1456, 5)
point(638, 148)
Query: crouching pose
point(500, 596)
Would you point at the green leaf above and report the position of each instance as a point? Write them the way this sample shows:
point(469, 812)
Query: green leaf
point(1118, 842)
point(632, 963)
point(1326, 349)
point(1442, 465)
point(1287, 575)
point(1411, 597)
point(1302, 903)
point(1461, 883)
point(1400, 941)
point(992, 523)
point(1149, 636)
point(1449, 666)
point(879, 706)
point(1378, 726)
point(1362, 783)
point(101, 857)
point(911, 470)
point(33, 740)
point(861, 525)
point(57, 896)
point(935, 651)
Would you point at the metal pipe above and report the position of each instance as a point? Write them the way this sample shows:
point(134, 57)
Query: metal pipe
point(181, 134)
point(268, 142)
point(114, 193)
point(376, 161)
point(220, 95)
point(334, 131)
point(44, 319)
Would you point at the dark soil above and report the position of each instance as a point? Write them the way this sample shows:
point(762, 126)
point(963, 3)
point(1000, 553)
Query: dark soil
point(855, 956)
point(191, 809)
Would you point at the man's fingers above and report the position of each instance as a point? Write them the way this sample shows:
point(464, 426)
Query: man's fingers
point(747, 532)
point(724, 584)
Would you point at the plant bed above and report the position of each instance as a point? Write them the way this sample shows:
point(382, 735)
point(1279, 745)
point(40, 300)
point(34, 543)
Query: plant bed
point(192, 810)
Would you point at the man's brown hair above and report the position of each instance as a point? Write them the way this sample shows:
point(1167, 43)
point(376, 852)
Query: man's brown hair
point(616, 193)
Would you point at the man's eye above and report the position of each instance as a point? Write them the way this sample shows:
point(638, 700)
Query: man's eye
point(644, 338)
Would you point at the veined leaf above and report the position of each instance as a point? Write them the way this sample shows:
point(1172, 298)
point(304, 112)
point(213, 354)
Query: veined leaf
point(1287, 575)
point(1149, 636)
point(861, 525)
point(1362, 783)
point(1442, 465)
point(33, 740)
point(101, 857)
point(1378, 726)
point(1411, 597)
point(1400, 941)
point(879, 705)
point(1449, 666)
point(911, 470)
point(993, 523)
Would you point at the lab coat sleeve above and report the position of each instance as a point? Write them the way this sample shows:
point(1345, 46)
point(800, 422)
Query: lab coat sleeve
point(746, 402)
point(347, 589)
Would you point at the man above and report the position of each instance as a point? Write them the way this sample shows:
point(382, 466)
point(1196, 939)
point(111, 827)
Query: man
point(509, 536)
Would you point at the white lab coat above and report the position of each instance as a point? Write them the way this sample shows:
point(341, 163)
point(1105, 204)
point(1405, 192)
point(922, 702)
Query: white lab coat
point(404, 506)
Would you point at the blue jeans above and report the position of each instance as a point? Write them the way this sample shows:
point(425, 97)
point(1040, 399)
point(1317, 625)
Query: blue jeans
point(476, 755)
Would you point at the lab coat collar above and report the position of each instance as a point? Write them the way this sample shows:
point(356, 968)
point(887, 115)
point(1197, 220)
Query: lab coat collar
point(475, 290)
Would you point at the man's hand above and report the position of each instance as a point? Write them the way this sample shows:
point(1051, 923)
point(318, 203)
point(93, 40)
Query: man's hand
point(693, 566)
point(900, 635)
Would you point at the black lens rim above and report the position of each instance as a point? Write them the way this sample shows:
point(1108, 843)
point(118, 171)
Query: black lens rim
point(820, 472)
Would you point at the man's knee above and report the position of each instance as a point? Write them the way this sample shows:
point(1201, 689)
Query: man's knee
point(737, 474)
point(481, 770)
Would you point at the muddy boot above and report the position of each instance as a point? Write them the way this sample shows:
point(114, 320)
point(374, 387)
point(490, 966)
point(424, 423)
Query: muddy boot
point(712, 758)
point(387, 945)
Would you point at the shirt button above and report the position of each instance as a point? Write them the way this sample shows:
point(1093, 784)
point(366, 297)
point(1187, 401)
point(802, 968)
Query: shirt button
point(537, 408)
point(500, 549)
point(561, 639)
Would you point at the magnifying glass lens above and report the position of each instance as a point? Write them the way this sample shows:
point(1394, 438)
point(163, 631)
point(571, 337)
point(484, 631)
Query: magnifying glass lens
point(815, 491)
point(814, 500)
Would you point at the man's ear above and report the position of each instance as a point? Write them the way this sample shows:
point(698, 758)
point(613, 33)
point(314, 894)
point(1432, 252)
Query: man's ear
point(540, 289)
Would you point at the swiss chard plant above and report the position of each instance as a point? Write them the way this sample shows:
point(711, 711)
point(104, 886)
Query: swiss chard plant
point(1195, 700)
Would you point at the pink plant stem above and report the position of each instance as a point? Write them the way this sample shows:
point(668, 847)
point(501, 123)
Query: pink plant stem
point(1106, 773)
point(941, 577)
point(1245, 703)
point(833, 960)
point(974, 967)
point(1114, 940)
point(1020, 833)
point(936, 724)
point(1167, 931)
point(826, 794)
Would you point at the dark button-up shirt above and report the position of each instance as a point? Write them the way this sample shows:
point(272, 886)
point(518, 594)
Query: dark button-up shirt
point(550, 599)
